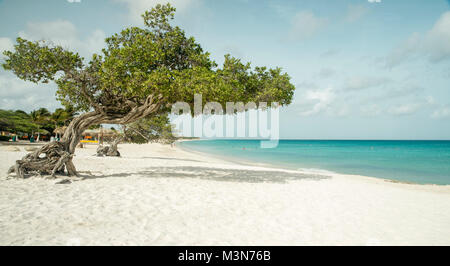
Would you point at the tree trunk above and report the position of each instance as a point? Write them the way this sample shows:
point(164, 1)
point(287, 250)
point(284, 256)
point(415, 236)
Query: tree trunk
point(52, 158)
point(111, 150)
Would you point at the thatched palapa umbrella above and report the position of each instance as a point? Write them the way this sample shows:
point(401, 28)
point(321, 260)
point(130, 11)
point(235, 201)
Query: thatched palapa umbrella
point(59, 132)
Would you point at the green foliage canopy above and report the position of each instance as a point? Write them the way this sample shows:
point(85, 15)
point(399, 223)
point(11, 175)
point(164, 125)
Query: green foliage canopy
point(37, 121)
point(16, 121)
point(150, 129)
point(156, 62)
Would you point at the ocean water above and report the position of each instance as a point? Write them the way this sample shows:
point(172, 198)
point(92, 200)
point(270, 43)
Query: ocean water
point(423, 162)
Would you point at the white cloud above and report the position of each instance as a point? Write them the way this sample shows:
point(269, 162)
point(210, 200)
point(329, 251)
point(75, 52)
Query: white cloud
point(359, 82)
point(19, 94)
point(433, 45)
point(5, 45)
point(137, 7)
point(316, 101)
point(313, 101)
point(64, 33)
point(405, 109)
point(430, 100)
point(437, 40)
point(407, 50)
point(441, 113)
point(305, 25)
point(61, 31)
point(355, 12)
point(27, 96)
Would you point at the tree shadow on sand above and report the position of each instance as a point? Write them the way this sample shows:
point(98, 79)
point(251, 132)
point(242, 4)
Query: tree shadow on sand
point(218, 174)
point(171, 159)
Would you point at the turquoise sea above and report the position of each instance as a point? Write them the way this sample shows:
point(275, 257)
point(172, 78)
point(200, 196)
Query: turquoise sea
point(423, 162)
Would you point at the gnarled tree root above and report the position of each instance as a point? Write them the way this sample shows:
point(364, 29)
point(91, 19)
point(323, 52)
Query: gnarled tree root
point(111, 150)
point(107, 151)
point(50, 160)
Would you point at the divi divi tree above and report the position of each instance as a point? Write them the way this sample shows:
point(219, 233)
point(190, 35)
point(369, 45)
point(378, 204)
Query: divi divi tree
point(142, 72)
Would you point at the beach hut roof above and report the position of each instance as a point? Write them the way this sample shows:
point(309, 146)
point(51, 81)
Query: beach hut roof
point(91, 131)
point(104, 131)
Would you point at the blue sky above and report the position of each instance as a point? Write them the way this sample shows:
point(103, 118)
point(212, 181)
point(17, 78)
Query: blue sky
point(363, 70)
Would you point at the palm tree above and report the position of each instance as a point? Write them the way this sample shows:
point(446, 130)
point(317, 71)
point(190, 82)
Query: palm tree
point(70, 114)
point(58, 117)
point(40, 117)
point(61, 117)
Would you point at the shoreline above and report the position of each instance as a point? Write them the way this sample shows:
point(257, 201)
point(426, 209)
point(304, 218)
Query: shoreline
point(305, 171)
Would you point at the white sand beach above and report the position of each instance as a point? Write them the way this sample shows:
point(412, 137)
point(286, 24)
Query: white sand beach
point(162, 195)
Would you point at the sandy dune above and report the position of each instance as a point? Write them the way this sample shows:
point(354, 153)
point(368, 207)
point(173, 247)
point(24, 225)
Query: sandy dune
point(158, 195)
